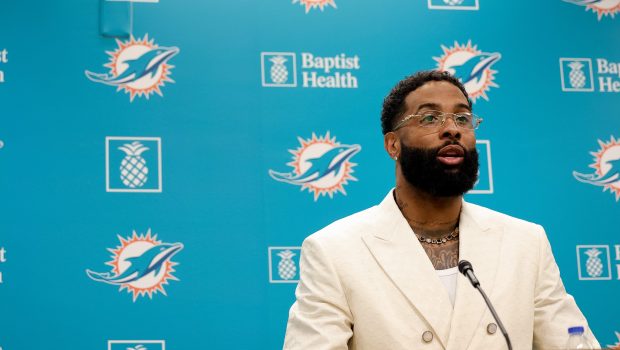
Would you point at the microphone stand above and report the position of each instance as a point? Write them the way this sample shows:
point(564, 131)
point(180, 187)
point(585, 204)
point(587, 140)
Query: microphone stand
point(467, 270)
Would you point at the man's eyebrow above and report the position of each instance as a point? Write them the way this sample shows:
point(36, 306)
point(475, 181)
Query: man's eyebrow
point(429, 105)
point(436, 106)
point(463, 106)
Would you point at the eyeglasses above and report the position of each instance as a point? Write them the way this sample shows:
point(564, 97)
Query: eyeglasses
point(436, 119)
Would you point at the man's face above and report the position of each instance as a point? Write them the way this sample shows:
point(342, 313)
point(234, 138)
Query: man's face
point(441, 161)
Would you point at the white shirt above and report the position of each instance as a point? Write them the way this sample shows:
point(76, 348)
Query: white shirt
point(448, 279)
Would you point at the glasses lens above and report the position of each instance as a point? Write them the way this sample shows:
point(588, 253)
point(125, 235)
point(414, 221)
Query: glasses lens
point(430, 119)
point(464, 120)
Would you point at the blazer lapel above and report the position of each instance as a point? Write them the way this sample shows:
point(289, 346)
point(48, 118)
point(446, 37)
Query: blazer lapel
point(394, 246)
point(480, 245)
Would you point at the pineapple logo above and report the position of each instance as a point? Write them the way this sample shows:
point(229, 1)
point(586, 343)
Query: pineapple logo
point(606, 168)
point(141, 264)
point(576, 74)
point(471, 66)
point(453, 4)
point(591, 264)
point(600, 7)
point(136, 345)
point(138, 66)
point(321, 165)
point(311, 4)
point(484, 182)
point(276, 69)
point(133, 167)
point(286, 269)
point(594, 265)
point(133, 164)
point(279, 73)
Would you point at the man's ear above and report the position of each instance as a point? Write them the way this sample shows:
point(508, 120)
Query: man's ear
point(391, 142)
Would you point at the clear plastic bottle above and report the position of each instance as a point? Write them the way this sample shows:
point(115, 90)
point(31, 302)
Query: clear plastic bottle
point(577, 339)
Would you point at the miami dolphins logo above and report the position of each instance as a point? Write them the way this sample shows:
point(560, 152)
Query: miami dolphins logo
point(606, 168)
point(471, 66)
point(141, 264)
point(310, 4)
point(617, 345)
point(600, 7)
point(321, 165)
point(139, 67)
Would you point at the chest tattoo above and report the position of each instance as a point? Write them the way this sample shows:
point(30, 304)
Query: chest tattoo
point(443, 256)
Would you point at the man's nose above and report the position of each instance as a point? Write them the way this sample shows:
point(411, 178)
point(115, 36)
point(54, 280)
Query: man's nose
point(449, 129)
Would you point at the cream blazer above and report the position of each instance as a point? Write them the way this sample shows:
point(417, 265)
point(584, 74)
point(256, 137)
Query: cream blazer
point(367, 284)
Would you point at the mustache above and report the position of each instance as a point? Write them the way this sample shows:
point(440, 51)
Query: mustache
point(466, 150)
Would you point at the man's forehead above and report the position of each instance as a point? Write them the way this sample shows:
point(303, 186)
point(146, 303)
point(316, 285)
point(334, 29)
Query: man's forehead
point(441, 94)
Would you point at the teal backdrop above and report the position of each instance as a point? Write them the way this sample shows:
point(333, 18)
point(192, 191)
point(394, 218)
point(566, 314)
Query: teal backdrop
point(159, 202)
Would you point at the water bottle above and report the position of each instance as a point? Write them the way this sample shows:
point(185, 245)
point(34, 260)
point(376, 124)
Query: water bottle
point(576, 339)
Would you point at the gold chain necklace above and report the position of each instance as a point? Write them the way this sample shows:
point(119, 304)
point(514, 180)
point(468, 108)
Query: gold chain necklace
point(453, 235)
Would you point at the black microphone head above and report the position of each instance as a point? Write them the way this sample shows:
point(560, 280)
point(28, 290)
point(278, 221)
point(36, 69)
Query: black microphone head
point(465, 265)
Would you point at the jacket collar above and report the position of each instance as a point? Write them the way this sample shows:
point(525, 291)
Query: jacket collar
point(396, 248)
point(480, 244)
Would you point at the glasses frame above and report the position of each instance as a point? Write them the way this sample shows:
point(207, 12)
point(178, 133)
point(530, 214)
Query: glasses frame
point(476, 120)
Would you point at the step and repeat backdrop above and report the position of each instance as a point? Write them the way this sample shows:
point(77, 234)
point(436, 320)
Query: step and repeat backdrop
point(156, 156)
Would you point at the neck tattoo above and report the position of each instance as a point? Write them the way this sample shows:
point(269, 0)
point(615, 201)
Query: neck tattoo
point(415, 224)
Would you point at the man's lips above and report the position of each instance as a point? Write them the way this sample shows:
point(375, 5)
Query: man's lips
point(451, 155)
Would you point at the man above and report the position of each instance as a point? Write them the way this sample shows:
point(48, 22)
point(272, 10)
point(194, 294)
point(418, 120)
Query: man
point(386, 278)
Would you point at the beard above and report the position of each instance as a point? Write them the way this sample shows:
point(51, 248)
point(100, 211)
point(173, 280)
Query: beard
point(423, 170)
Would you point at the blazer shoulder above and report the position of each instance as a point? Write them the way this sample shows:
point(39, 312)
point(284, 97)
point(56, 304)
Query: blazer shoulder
point(495, 218)
point(347, 229)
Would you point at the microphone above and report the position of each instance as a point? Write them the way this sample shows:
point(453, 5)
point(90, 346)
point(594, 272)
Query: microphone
point(466, 269)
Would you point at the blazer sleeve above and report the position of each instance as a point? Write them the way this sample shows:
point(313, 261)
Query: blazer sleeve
point(554, 309)
point(320, 319)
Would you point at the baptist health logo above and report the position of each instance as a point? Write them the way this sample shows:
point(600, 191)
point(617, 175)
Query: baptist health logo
point(138, 66)
point(279, 69)
point(600, 7)
point(484, 184)
point(321, 165)
point(453, 4)
point(2, 261)
point(471, 66)
point(594, 262)
point(606, 167)
point(577, 74)
point(136, 345)
point(141, 264)
point(133, 164)
point(284, 264)
point(3, 60)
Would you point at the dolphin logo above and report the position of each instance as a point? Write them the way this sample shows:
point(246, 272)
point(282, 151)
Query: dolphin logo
point(327, 163)
point(610, 177)
point(472, 69)
point(150, 261)
point(146, 64)
point(583, 2)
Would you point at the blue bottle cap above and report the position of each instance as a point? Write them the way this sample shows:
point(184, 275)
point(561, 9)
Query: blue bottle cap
point(575, 330)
